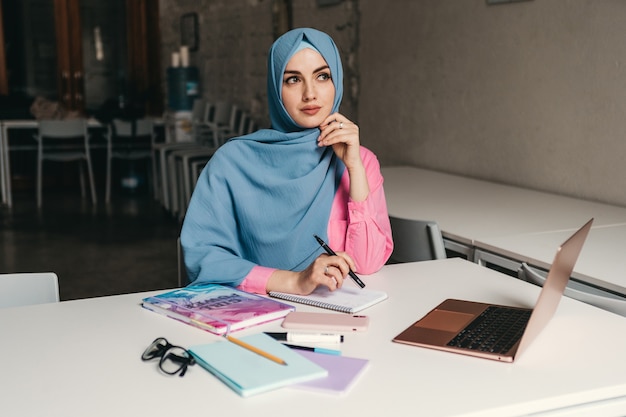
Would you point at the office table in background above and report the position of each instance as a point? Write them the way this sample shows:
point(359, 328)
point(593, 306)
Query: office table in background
point(468, 209)
point(602, 261)
point(5, 148)
point(82, 357)
point(505, 225)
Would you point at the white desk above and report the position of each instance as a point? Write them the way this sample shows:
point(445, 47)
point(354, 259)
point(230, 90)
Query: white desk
point(601, 262)
point(82, 357)
point(517, 223)
point(468, 209)
point(5, 166)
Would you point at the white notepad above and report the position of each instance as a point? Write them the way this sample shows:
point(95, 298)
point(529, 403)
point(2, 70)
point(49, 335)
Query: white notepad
point(346, 299)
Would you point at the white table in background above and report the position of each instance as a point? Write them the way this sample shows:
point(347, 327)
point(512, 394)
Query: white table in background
point(602, 261)
point(82, 357)
point(5, 165)
point(469, 209)
point(504, 225)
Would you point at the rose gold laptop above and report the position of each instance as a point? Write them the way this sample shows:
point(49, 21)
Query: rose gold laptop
point(494, 331)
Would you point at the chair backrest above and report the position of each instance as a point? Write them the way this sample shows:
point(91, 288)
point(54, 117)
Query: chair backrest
point(416, 240)
point(66, 128)
point(28, 288)
point(221, 113)
point(198, 110)
point(124, 128)
point(209, 112)
point(182, 270)
point(235, 117)
point(243, 123)
point(614, 304)
point(250, 126)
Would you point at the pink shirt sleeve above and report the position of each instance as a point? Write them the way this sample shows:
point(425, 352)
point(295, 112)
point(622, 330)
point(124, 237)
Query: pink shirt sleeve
point(359, 228)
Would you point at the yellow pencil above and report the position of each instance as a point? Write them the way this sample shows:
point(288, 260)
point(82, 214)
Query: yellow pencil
point(255, 350)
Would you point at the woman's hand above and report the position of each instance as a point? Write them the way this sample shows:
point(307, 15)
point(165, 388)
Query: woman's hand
point(343, 135)
point(326, 270)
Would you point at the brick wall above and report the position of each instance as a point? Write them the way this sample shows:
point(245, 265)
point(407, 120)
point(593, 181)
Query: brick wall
point(235, 36)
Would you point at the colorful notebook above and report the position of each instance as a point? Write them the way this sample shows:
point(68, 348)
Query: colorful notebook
point(215, 308)
point(248, 373)
point(343, 372)
point(346, 299)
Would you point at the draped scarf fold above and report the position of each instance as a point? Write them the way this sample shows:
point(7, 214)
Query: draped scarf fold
point(262, 196)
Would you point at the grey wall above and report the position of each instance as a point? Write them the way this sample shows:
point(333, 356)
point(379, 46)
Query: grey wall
point(529, 93)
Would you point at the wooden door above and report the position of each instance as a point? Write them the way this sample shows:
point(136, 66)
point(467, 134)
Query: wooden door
point(82, 52)
point(69, 54)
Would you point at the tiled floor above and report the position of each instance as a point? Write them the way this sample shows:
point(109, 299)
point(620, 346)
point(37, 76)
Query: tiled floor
point(127, 246)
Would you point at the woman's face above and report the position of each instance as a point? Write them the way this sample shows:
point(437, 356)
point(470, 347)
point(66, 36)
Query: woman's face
point(308, 91)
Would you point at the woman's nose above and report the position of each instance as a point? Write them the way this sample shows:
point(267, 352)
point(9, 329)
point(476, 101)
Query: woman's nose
point(308, 93)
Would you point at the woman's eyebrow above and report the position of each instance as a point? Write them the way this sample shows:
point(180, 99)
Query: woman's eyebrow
point(322, 68)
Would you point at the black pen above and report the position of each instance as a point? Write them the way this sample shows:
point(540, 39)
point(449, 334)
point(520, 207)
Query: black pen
point(314, 349)
point(331, 252)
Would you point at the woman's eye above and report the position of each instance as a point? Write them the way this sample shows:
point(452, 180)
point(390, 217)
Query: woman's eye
point(291, 80)
point(324, 76)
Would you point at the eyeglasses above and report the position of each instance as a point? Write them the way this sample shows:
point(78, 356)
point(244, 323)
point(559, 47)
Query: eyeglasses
point(174, 359)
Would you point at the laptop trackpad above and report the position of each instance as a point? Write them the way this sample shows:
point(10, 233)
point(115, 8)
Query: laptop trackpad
point(447, 321)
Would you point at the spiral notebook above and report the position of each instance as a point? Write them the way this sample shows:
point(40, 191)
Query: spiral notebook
point(346, 299)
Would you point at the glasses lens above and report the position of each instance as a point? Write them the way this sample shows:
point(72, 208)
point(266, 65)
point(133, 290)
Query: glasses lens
point(175, 360)
point(156, 349)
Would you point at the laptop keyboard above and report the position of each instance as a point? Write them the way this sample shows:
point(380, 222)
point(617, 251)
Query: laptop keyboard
point(496, 330)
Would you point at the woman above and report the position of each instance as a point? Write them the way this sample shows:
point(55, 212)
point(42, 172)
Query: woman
point(262, 197)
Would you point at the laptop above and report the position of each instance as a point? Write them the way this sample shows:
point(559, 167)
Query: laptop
point(494, 331)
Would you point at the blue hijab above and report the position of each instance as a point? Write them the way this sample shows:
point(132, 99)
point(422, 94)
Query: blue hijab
point(263, 196)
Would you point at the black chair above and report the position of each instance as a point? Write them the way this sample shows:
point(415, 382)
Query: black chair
point(416, 240)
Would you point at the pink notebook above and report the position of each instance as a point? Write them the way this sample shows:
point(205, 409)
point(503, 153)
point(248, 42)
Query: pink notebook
point(343, 372)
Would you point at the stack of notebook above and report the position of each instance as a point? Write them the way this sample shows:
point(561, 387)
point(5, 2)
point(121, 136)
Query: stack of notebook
point(248, 373)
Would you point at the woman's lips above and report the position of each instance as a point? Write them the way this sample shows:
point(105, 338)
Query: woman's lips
point(311, 110)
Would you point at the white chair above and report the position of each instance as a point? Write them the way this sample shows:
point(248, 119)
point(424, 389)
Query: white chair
point(246, 124)
point(130, 140)
point(201, 113)
point(251, 126)
point(221, 120)
point(202, 137)
point(586, 294)
point(64, 141)
point(416, 240)
point(234, 127)
point(196, 168)
point(28, 288)
point(185, 181)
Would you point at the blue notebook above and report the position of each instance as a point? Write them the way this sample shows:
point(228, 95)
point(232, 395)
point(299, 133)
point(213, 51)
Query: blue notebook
point(248, 373)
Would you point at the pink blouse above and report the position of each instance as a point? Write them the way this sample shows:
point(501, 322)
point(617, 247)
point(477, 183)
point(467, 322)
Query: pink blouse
point(359, 228)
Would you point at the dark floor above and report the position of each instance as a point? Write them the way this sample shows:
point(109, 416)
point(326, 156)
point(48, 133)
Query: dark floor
point(128, 246)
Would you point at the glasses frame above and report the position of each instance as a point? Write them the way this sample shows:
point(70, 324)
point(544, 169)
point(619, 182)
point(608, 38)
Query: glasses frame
point(164, 350)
